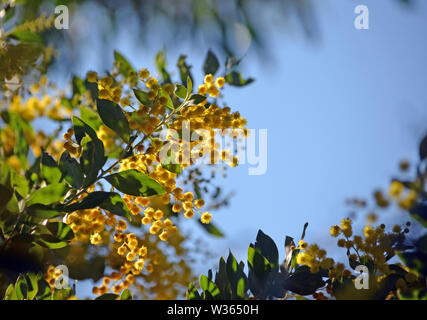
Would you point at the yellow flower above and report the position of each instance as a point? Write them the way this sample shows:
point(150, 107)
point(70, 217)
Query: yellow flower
point(189, 214)
point(341, 243)
point(139, 264)
point(92, 76)
point(396, 188)
point(335, 231)
point(208, 78)
point(96, 238)
point(397, 229)
point(206, 218)
point(302, 245)
point(219, 82)
point(144, 73)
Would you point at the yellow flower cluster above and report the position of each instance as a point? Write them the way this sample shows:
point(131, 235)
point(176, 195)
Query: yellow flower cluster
point(107, 90)
point(51, 275)
point(89, 224)
point(113, 283)
point(210, 87)
point(404, 198)
point(72, 147)
point(313, 257)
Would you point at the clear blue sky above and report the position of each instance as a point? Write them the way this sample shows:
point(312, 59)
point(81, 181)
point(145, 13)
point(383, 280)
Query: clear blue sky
point(340, 114)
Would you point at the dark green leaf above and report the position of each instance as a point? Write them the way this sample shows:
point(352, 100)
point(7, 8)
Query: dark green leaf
point(211, 64)
point(43, 211)
point(78, 86)
point(268, 249)
point(135, 183)
point(108, 296)
point(60, 230)
point(196, 99)
point(184, 69)
point(114, 118)
point(71, 170)
point(211, 229)
point(142, 97)
point(234, 78)
point(419, 213)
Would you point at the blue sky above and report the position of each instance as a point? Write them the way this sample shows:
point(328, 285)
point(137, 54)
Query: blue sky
point(340, 113)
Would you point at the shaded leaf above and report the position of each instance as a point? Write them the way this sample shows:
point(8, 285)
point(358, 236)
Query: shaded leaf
point(135, 183)
point(211, 64)
point(114, 118)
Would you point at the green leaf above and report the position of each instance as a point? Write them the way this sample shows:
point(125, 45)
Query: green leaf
point(161, 65)
point(236, 276)
point(142, 97)
point(71, 170)
point(124, 66)
point(234, 78)
point(81, 129)
point(90, 117)
point(189, 85)
point(92, 200)
point(51, 242)
point(110, 201)
point(211, 64)
point(416, 261)
point(181, 91)
point(108, 296)
point(21, 288)
point(47, 195)
point(222, 281)
point(192, 293)
point(196, 99)
point(32, 285)
point(184, 69)
point(423, 148)
point(259, 265)
point(92, 158)
point(126, 295)
point(92, 87)
point(61, 294)
point(419, 213)
point(5, 195)
point(209, 288)
point(135, 183)
point(60, 230)
point(304, 282)
point(268, 249)
point(49, 169)
point(211, 229)
point(10, 293)
point(168, 163)
point(78, 86)
point(115, 204)
point(43, 211)
point(114, 118)
point(169, 103)
point(26, 36)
